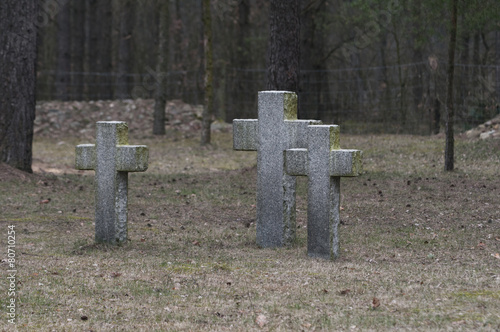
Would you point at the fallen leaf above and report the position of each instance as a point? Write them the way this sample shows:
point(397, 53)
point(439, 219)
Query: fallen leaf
point(196, 243)
point(115, 274)
point(261, 320)
point(497, 255)
point(375, 303)
point(481, 245)
point(45, 201)
point(345, 292)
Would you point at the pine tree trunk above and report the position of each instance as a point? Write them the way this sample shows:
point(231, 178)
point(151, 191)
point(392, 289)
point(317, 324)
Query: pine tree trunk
point(17, 85)
point(177, 51)
point(284, 46)
point(497, 85)
point(161, 72)
point(77, 47)
point(450, 140)
point(124, 48)
point(464, 74)
point(105, 16)
point(417, 89)
point(92, 37)
point(316, 103)
point(99, 50)
point(208, 104)
point(63, 68)
point(242, 53)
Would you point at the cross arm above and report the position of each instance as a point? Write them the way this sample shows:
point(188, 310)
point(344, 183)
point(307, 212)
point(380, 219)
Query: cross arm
point(346, 162)
point(245, 134)
point(85, 157)
point(342, 162)
point(132, 158)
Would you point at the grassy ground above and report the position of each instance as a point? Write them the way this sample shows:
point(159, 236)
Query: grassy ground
point(419, 247)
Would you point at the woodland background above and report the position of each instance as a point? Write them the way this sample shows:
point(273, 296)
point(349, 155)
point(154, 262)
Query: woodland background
point(370, 66)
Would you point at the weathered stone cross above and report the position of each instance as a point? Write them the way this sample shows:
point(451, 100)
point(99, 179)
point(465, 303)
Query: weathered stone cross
point(276, 130)
point(112, 159)
point(324, 163)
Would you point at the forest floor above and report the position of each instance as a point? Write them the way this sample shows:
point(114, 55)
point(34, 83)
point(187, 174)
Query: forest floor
point(420, 247)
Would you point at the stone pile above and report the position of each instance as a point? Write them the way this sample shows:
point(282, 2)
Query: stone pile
point(489, 129)
point(62, 119)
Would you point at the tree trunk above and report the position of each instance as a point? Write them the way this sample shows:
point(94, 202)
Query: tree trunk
point(92, 37)
point(417, 89)
point(284, 46)
point(209, 68)
point(315, 102)
point(465, 76)
point(241, 61)
point(497, 84)
point(450, 140)
point(99, 56)
point(105, 16)
point(161, 71)
point(476, 56)
point(383, 89)
point(63, 68)
point(126, 23)
point(77, 48)
point(402, 81)
point(17, 84)
point(176, 47)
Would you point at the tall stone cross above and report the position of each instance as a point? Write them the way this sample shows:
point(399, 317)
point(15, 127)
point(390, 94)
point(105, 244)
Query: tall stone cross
point(276, 130)
point(324, 163)
point(112, 159)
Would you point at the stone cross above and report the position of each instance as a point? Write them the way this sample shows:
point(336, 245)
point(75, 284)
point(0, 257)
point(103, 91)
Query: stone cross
point(276, 130)
point(324, 163)
point(112, 159)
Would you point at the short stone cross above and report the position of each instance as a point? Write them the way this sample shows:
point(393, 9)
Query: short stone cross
point(276, 130)
point(324, 163)
point(112, 159)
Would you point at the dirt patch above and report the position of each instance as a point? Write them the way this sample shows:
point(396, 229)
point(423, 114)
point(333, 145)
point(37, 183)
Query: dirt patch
point(8, 173)
point(44, 168)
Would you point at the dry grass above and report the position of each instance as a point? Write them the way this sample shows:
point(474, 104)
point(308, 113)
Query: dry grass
point(420, 241)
